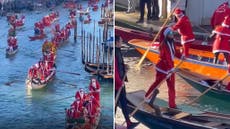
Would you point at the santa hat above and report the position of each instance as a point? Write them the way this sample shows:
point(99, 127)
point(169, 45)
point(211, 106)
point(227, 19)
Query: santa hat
point(226, 22)
point(178, 12)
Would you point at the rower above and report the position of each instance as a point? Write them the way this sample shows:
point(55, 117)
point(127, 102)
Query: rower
point(221, 42)
point(80, 95)
point(184, 28)
point(94, 88)
point(164, 67)
point(36, 29)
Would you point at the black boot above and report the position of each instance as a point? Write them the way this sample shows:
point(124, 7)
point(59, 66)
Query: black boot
point(151, 103)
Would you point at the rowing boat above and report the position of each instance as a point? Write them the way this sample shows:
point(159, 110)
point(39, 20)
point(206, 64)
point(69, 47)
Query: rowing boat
point(202, 83)
point(83, 120)
point(129, 34)
point(200, 61)
point(11, 51)
point(37, 37)
point(36, 83)
point(174, 118)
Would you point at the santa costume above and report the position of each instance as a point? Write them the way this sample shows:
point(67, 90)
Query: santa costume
point(184, 28)
point(165, 66)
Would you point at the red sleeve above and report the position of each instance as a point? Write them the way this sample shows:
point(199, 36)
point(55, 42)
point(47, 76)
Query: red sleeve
point(162, 51)
point(178, 24)
point(118, 81)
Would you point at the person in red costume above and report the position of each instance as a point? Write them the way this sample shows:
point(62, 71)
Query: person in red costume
point(77, 106)
point(57, 28)
point(67, 31)
point(219, 14)
point(12, 42)
point(221, 42)
point(80, 95)
point(165, 66)
point(92, 110)
point(184, 28)
point(95, 88)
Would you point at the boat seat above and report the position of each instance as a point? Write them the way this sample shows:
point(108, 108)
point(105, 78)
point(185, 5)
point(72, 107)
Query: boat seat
point(212, 124)
point(181, 115)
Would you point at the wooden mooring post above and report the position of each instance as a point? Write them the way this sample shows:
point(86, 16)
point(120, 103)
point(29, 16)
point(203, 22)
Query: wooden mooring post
point(75, 30)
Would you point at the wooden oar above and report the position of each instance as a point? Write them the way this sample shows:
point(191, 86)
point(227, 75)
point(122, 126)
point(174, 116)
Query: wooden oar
point(59, 99)
point(68, 72)
point(119, 91)
point(11, 82)
point(203, 29)
point(67, 83)
point(211, 87)
point(141, 103)
point(155, 38)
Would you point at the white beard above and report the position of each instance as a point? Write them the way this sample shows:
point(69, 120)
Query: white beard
point(94, 84)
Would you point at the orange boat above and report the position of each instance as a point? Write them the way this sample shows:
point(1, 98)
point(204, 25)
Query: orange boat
point(200, 63)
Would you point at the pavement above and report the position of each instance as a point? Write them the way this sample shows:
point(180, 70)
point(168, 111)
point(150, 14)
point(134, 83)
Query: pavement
point(128, 20)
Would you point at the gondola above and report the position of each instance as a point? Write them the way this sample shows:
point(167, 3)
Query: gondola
point(10, 52)
point(174, 118)
point(200, 61)
point(36, 83)
point(83, 120)
point(129, 34)
point(37, 37)
point(202, 83)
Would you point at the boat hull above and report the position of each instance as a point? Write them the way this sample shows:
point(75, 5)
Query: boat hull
point(37, 37)
point(11, 52)
point(202, 86)
point(36, 85)
point(214, 71)
point(172, 118)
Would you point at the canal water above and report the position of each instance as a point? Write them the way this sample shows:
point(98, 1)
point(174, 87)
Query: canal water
point(21, 108)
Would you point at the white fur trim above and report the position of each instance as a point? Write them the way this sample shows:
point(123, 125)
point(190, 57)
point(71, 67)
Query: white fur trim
point(180, 15)
point(224, 51)
point(187, 41)
point(163, 71)
point(221, 33)
point(171, 49)
point(225, 25)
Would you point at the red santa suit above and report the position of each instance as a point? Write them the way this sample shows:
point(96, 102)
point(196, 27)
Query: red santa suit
point(221, 42)
point(67, 32)
point(12, 41)
point(94, 88)
point(80, 95)
point(164, 66)
point(92, 110)
point(219, 14)
point(184, 28)
point(41, 25)
point(77, 107)
point(57, 28)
